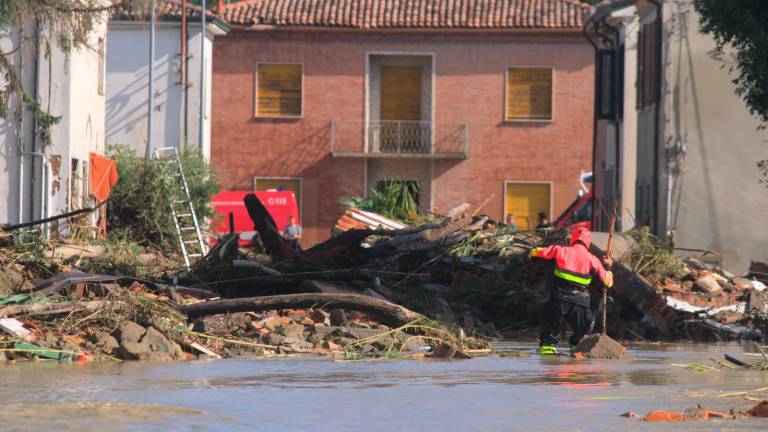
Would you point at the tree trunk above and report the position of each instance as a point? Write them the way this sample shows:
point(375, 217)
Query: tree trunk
point(388, 313)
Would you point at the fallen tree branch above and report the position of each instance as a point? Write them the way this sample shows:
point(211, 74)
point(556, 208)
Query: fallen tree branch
point(53, 308)
point(388, 313)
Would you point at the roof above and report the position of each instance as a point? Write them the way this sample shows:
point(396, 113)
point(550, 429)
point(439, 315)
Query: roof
point(409, 14)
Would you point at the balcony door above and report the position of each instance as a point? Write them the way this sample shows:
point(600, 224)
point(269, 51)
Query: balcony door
point(400, 129)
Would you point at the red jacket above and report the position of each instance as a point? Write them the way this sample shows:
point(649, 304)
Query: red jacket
point(574, 264)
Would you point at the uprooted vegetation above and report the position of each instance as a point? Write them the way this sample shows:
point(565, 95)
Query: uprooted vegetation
point(441, 288)
point(140, 201)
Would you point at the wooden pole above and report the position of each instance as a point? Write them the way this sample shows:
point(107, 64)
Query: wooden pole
point(608, 248)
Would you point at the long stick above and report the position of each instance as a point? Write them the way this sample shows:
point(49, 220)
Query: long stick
point(608, 248)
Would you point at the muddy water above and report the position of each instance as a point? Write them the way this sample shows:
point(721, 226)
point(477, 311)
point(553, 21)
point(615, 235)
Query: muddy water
point(484, 394)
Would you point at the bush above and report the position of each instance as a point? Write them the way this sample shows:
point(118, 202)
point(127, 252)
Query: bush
point(396, 199)
point(140, 202)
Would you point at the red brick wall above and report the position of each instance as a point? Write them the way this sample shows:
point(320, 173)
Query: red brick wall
point(469, 71)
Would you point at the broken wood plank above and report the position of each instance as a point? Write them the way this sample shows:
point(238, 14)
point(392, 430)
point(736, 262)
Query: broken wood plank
point(53, 308)
point(388, 313)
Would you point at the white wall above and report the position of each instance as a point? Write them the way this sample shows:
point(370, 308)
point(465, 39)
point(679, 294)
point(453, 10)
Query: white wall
point(66, 87)
point(127, 86)
point(717, 202)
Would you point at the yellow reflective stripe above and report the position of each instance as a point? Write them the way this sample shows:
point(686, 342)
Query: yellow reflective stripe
point(573, 278)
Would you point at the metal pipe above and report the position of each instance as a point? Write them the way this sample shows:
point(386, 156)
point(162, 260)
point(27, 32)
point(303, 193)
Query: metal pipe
point(151, 99)
point(203, 7)
point(20, 133)
point(183, 69)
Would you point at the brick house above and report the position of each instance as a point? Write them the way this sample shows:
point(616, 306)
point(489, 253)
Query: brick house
point(476, 100)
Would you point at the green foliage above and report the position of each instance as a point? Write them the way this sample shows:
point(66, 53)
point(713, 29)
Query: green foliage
point(739, 29)
point(140, 202)
point(652, 257)
point(396, 199)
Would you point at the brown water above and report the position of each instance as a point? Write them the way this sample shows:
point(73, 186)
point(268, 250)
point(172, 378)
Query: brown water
point(483, 394)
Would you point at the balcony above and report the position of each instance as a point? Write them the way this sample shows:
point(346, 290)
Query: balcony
point(399, 139)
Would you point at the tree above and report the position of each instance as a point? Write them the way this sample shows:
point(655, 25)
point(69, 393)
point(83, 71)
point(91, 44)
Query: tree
point(740, 31)
point(64, 24)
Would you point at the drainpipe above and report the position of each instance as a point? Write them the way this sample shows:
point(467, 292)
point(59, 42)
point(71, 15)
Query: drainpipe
point(657, 128)
point(203, 7)
point(20, 192)
point(183, 68)
point(594, 120)
point(151, 98)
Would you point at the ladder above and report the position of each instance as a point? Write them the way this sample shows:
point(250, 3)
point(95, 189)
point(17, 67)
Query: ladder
point(182, 208)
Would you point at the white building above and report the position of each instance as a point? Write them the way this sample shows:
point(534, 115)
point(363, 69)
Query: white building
point(676, 147)
point(176, 106)
point(44, 174)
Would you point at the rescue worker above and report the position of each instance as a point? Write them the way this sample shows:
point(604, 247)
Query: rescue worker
point(569, 299)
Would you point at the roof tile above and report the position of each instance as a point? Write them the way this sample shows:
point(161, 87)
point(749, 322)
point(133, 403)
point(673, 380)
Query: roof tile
point(389, 14)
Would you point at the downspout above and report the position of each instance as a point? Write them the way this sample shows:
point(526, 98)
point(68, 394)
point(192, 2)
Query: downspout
point(151, 96)
point(657, 127)
point(183, 69)
point(20, 192)
point(203, 8)
point(594, 120)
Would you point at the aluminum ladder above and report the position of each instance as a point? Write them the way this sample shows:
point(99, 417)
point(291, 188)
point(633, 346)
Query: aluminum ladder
point(182, 208)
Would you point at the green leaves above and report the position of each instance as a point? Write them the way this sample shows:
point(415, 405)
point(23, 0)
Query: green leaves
point(140, 202)
point(396, 199)
point(740, 30)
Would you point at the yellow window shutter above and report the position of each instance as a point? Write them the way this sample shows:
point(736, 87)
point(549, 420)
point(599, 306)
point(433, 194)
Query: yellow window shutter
point(279, 90)
point(529, 94)
point(525, 201)
point(400, 93)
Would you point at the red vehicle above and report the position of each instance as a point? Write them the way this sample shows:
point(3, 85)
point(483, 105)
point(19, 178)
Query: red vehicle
point(280, 204)
point(579, 213)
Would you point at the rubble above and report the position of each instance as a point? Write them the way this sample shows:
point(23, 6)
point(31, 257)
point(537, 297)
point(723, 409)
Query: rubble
point(442, 288)
point(600, 346)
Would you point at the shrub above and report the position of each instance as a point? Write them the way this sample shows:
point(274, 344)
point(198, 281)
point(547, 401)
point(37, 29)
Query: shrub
point(396, 199)
point(140, 202)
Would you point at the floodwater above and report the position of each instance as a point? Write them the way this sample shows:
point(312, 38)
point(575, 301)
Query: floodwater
point(483, 394)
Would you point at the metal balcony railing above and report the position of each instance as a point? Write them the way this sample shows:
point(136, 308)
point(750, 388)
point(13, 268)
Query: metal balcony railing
point(396, 138)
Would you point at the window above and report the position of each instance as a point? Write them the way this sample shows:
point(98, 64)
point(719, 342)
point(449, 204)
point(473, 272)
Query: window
point(278, 90)
point(648, 65)
point(525, 200)
point(529, 93)
point(102, 66)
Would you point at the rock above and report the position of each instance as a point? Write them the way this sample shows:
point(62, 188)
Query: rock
point(294, 331)
point(758, 303)
point(338, 318)
point(104, 342)
point(275, 339)
point(10, 281)
point(741, 284)
point(297, 343)
point(708, 284)
point(448, 351)
point(129, 331)
point(331, 346)
point(600, 346)
point(132, 350)
point(157, 342)
point(320, 316)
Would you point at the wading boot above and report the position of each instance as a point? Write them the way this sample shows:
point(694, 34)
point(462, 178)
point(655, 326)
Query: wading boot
point(547, 350)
